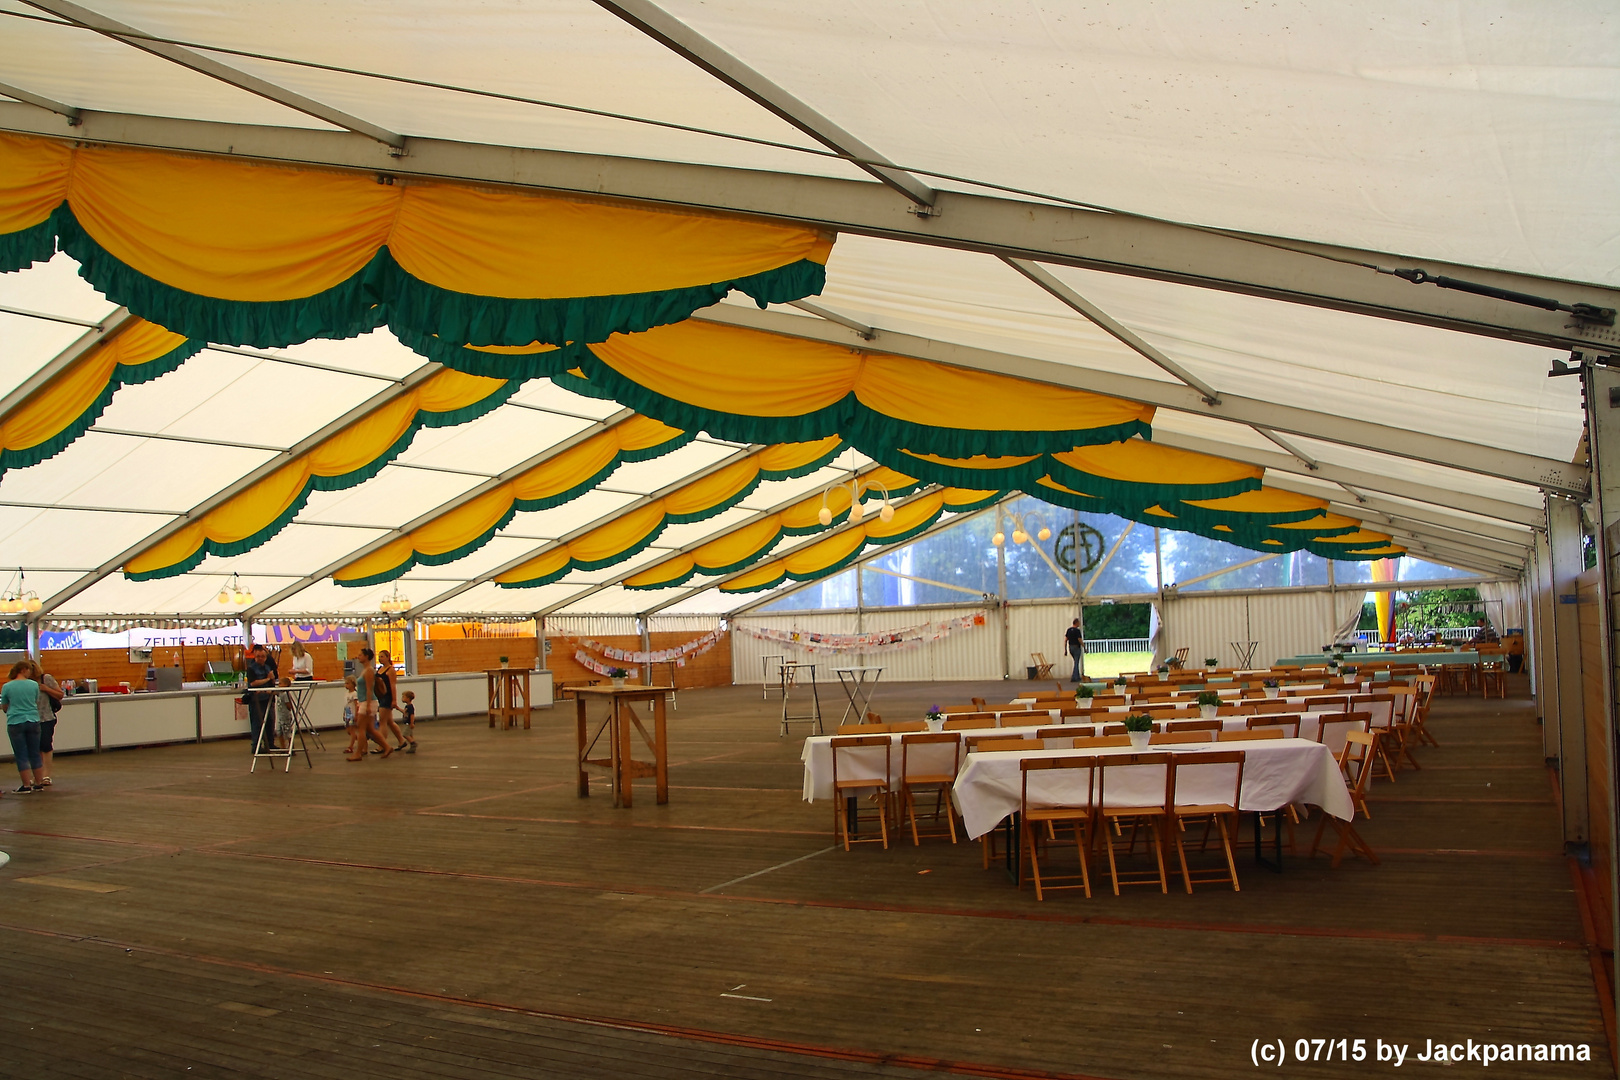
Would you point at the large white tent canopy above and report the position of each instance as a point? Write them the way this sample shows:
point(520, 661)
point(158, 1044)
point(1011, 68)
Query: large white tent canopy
point(1196, 207)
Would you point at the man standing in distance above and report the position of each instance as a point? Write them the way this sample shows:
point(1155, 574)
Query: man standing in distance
point(261, 673)
point(1075, 645)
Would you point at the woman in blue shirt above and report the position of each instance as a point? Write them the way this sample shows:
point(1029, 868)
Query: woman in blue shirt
point(19, 699)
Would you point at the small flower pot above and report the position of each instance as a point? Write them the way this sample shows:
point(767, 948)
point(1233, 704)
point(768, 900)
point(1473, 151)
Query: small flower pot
point(1271, 691)
point(1207, 712)
point(618, 683)
point(1139, 739)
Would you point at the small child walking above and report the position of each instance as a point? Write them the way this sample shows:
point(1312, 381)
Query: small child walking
point(408, 714)
point(351, 698)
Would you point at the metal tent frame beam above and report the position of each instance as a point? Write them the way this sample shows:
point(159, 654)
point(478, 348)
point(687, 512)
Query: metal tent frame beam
point(236, 487)
point(692, 46)
point(1528, 516)
point(606, 519)
point(214, 69)
point(40, 101)
point(1296, 271)
point(590, 590)
point(594, 429)
point(102, 332)
point(1546, 473)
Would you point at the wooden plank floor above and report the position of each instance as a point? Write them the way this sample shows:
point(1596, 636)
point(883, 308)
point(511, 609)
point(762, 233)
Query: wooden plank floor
point(461, 913)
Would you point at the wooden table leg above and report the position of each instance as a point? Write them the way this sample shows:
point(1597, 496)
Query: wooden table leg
point(623, 782)
point(660, 750)
point(584, 777)
point(528, 711)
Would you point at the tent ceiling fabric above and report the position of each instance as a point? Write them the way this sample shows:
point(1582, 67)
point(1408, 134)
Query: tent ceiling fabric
point(1481, 135)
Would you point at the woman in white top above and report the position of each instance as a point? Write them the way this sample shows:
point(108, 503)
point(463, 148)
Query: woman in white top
point(303, 665)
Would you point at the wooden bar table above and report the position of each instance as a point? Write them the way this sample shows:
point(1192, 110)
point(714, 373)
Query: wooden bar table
point(621, 766)
point(508, 696)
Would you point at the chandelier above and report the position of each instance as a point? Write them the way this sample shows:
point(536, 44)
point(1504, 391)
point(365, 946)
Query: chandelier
point(857, 487)
point(395, 601)
point(1020, 529)
point(233, 593)
point(18, 597)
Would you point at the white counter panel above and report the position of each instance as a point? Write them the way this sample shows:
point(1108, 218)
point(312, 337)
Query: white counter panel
point(134, 721)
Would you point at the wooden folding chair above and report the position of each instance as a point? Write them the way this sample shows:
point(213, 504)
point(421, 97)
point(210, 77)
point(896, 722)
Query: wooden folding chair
point(907, 725)
point(1492, 671)
point(929, 762)
point(1193, 725)
point(1289, 725)
point(969, 722)
point(991, 744)
point(1206, 774)
point(1167, 738)
point(1043, 666)
point(1126, 770)
point(1066, 788)
point(1178, 661)
point(862, 729)
point(1420, 719)
point(1274, 705)
point(1093, 742)
point(1396, 745)
point(1362, 761)
point(1251, 735)
point(847, 790)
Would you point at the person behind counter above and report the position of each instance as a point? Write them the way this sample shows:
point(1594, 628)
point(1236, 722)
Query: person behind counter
point(303, 664)
point(261, 673)
point(50, 700)
point(19, 700)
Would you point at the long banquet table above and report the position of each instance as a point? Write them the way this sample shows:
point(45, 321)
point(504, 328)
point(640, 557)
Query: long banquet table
point(1276, 772)
point(867, 763)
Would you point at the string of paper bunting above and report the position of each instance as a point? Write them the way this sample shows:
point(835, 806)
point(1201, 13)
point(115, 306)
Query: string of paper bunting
point(911, 637)
point(678, 655)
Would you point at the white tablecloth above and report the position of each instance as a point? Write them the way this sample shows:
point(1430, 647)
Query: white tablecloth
point(1276, 772)
point(867, 763)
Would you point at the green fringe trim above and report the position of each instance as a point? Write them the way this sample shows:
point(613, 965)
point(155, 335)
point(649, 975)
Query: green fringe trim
point(341, 482)
point(1190, 517)
point(122, 375)
point(25, 247)
point(1133, 493)
point(672, 583)
point(848, 560)
point(864, 429)
point(968, 508)
point(346, 310)
point(383, 292)
point(416, 558)
point(521, 367)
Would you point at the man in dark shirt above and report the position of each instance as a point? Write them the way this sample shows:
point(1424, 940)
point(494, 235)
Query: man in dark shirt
point(1484, 632)
point(1074, 644)
point(261, 672)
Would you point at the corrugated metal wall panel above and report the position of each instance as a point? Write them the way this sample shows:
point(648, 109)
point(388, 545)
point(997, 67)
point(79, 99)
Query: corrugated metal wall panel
point(682, 624)
point(1286, 625)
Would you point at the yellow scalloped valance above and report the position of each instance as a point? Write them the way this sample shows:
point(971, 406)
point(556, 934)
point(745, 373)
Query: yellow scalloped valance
point(64, 408)
point(345, 459)
point(251, 253)
point(465, 528)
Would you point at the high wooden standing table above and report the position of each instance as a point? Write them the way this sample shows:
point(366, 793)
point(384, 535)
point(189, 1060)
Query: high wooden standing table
point(621, 766)
point(508, 696)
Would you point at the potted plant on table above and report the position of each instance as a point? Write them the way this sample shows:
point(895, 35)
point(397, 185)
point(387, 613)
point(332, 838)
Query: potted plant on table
point(1139, 728)
point(1083, 695)
point(1120, 683)
point(618, 675)
point(1208, 702)
point(936, 718)
point(1212, 662)
point(1164, 672)
point(1270, 687)
point(504, 660)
